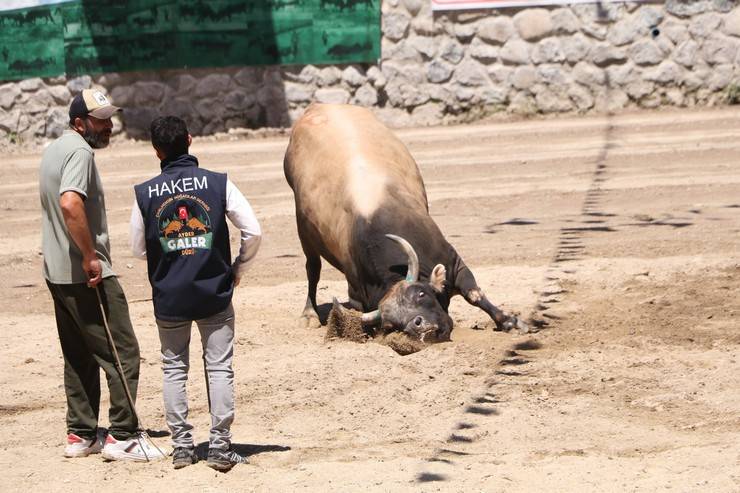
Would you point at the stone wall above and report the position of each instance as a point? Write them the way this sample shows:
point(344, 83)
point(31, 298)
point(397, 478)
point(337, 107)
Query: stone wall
point(438, 68)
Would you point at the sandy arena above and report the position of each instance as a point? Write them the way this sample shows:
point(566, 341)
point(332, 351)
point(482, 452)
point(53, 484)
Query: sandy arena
point(630, 252)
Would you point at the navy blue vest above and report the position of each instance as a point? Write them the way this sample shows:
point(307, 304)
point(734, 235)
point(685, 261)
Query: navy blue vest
point(187, 240)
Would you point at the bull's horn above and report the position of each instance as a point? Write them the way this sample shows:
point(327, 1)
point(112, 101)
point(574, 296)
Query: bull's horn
point(371, 318)
point(412, 274)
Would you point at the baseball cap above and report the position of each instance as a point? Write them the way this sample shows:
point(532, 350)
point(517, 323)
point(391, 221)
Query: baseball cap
point(91, 102)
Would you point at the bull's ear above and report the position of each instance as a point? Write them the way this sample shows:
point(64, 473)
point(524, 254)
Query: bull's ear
point(437, 279)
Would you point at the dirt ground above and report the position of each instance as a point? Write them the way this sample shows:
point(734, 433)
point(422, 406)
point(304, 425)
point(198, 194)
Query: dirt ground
point(621, 234)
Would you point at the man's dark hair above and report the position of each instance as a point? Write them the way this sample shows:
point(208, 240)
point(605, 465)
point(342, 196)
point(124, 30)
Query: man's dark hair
point(169, 136)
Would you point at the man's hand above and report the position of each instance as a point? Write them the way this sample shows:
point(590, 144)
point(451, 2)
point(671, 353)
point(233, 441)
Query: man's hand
point(94, 271)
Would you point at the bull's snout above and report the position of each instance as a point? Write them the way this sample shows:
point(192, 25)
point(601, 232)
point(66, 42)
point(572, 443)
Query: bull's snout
point(425, 331)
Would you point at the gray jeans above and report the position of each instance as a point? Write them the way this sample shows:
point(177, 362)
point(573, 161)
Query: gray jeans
point(217, 335)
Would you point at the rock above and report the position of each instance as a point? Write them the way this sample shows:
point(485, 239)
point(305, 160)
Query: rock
point(732, 23)
point(30, 85)
point(703, 25)
point(524, 77)
point(611, 100)
point(180, 107)
point(619, 75)
point(328, 76)
point(548, 102)
point(554, 76)
point(60, 94)
point(211, 85)
point(122, 96)
point(648, 17)
point(439, 71)
point(57, 122)
point(424, 45)
point(494, 95)
point(297, 93)
point(413, 7)
point(137, 120)
point(352, 77)
point(403, 95)
point(575, 48)
point(250, 77)
point(452, 51)
point(686, 53)
point(208, 111)
point(483, 52)
point(148, 93)
point(395, 25)
point(696, 78)
point(214, 126)
point(471, 73)
point(515, 52)
point(674, 97)
point(603, 54)
point(184, 84)
point(427, 114)
point(464, 33)
point(623, 32)
point(497, 30)
point(522, 104)
point(393, 117)
point(721, 77)
point(646, 52)
point(547, 51)
point(639, 89)
point(500, 74)
point(331, 95)
point(564, 21)
point(238, 100)
point(719, 49)
point(581, 97)
point(8, 94)
point(666, 73)
point(77, 84)
point(675, 30)
point(401, 51)
point(597, 31)
point(366, 95)
point(376, 77)
point(533, 24)
point(588, 75)
point(591, 12)
point(686, 8)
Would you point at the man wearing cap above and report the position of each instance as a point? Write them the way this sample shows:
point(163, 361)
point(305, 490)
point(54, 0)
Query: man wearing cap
point(77, 262)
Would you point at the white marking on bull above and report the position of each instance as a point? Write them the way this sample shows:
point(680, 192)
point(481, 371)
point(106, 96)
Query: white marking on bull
point(366, 186)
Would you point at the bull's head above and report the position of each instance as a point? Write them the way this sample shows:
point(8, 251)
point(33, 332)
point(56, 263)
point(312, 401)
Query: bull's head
point(411, 306)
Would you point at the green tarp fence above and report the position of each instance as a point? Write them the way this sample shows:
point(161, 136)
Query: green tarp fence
point(94, 36)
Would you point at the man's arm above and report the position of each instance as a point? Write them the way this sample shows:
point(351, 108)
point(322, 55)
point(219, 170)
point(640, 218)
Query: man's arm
point(240, 213)
point(73, 210)
point(136, 232)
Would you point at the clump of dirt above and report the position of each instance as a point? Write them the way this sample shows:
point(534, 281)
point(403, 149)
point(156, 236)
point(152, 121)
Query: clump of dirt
point(344, 323)
point(401, 343)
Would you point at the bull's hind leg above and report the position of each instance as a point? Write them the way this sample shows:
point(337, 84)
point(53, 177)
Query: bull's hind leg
point(467, 286)
point(309, 316)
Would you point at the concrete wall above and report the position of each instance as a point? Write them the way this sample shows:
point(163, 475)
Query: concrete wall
point(438, 68)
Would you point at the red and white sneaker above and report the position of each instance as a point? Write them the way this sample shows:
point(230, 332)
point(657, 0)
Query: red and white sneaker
point(136, 448)
point(82, 447)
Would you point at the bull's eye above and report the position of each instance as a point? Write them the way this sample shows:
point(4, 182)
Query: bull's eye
point(418, 321)
point(421, 294)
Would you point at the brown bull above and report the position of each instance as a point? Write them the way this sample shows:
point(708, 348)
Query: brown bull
point(361, 205)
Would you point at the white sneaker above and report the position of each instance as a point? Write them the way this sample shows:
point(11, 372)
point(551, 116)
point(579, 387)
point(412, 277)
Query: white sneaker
point(82, 447)
point(136, 448)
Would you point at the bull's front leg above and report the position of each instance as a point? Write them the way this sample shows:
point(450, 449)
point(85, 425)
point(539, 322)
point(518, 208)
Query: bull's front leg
point(466, 285)
point(310, 317)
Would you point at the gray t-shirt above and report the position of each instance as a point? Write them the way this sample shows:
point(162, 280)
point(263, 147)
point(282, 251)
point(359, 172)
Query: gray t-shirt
point(69, 164)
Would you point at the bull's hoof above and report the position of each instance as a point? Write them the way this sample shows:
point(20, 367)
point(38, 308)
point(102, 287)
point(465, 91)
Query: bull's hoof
point(309, 322)
point(514, 322)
